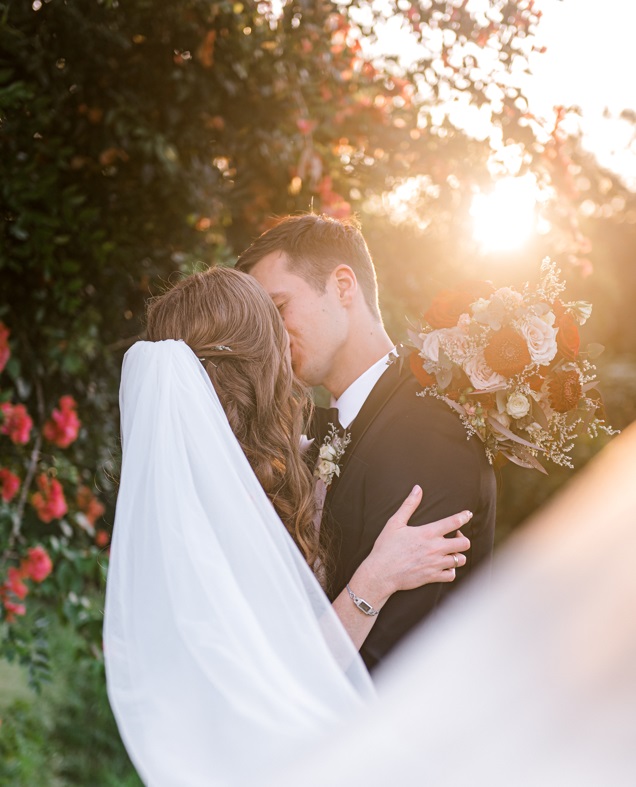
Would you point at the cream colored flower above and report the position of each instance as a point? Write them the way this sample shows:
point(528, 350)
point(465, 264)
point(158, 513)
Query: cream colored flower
point(330, 454)
point(452, 341)
point(481, 375)
point(502, 418)
point(581, 311)
point(429, 349)
point(325, 470)
point(327, 452)
point(540, 336)
point(517, 405)
point(509, 297)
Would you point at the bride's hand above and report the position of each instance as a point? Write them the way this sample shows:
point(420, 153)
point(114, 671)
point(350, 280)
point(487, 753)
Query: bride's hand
point(405, 557)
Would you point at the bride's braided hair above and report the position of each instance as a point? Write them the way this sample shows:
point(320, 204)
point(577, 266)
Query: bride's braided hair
point(231, 324)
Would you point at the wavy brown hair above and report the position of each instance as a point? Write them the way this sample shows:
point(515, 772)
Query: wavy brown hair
point(265, 404)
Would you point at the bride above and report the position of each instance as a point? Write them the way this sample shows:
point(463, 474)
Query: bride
point(224, 657)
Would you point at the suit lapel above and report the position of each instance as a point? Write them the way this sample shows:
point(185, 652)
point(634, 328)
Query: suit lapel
point(381, 392)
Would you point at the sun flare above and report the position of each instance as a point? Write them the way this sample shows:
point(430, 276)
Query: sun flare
point(505, 218)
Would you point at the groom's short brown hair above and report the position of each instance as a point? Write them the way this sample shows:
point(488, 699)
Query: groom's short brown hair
point(314, 245)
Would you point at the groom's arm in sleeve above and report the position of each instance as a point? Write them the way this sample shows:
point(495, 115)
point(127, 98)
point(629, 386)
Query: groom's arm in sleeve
point(426, 445)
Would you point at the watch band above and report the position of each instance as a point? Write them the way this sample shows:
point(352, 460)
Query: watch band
point(361, 604)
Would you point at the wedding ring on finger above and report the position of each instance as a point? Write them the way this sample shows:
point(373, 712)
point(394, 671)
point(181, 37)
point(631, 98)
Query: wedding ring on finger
point(456, 559)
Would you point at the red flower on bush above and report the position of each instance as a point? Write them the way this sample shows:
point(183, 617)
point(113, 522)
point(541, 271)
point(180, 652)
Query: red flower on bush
point(507, 352)
point(15, 584)
point(102, 538)
point(37, 565)
point(568, 338)
point(17, 423)
point(89, 505)
point(447, 307)
point(63, 426)
point(9, 484)
point(49, 502)
point(12, 609)
point(564, 391)
point(5, 350)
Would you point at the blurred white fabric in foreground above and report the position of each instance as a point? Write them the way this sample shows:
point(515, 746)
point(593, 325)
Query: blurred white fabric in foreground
point(525, 679)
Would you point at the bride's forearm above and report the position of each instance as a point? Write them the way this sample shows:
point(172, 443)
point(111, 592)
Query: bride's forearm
point(366, 584)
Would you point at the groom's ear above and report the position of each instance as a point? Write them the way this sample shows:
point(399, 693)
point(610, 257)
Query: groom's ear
point(346, 283)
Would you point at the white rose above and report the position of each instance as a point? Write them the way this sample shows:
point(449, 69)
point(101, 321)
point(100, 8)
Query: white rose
point(464, 322)
point(327, 452)
point(511, 298)
point(452, 341)
point(517, 405)
point(430, 345)
point(489, 312)
point(502, 418)
point(541, 339)
point(327, 469)
point(481, 375)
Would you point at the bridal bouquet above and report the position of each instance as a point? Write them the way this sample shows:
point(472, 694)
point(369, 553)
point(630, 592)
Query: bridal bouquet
point(509, 362)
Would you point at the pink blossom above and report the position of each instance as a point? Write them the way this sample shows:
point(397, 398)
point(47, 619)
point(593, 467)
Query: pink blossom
point(12, 609)
point(15, 584)
point(17, 423)
point(9, 484)
point(49, 502)
point(102, 538)
point(63, 426)
point(37, 565)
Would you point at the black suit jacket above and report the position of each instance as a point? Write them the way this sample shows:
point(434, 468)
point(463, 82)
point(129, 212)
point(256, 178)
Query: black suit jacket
point(397, 440)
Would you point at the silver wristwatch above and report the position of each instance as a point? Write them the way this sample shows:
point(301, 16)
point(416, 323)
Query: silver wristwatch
point(361, 604)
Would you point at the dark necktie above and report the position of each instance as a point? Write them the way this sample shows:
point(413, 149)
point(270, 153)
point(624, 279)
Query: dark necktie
point(322, 419)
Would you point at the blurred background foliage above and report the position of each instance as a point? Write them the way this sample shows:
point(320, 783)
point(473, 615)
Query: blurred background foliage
point(142, 140)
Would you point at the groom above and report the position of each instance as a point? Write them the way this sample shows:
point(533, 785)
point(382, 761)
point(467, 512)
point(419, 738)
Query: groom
point(319, 273)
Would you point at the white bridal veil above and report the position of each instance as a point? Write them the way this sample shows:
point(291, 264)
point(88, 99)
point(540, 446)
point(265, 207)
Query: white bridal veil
point(223, 655)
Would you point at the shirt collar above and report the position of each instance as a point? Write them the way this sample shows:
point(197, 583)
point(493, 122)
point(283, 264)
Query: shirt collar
point(351, 400)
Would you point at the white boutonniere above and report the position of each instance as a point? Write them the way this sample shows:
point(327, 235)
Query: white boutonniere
point(330, 453)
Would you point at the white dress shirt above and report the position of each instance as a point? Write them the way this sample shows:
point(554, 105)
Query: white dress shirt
point(350, 402)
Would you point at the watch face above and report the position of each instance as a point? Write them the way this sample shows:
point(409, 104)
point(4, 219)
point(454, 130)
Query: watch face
point(364, 606)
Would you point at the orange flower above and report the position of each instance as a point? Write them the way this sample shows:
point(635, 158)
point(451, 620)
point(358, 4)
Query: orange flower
point(63, 426)
point(568, 338)
point(205, 52)
point(49, 502)
point(9, 484)
point(447, 307)
point(17, 423)
point(507, 352)
point(564, 390)
point(536, 382)
point(419, 372)
point(89, 505)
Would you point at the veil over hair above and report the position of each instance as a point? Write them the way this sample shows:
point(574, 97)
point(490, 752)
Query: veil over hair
point(223, 655)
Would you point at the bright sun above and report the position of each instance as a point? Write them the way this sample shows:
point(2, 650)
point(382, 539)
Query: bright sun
point(505, 218)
